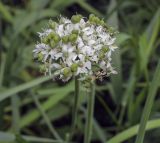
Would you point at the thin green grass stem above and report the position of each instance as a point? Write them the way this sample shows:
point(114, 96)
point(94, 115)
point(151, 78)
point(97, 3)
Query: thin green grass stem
point(75, 107)
point(148, 105)
point(46, 118)
point(90, 111)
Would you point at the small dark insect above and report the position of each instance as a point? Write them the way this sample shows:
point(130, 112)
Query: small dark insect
point(100, 75)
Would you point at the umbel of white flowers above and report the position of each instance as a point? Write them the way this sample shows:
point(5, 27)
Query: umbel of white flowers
point(77, 47)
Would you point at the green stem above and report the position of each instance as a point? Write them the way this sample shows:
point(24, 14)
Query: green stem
point(90, 111)
point(75, 108)
point(46, 118)
point(148, 105)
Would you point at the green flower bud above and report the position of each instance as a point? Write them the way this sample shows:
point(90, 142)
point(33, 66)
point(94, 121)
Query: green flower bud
point(56, 38)
point(96, 20)
point(101, 55)
point(45, 40)
point(76, 18)
point(75, 32)
point(105, 49)
point(74, 67)
point(91, 17)
point(73, 38)
point(65, 39)
point(102, 22)
point(66, 71)
point(52, 44)
point(50, 35)
point(52, 24)
point(40, 56)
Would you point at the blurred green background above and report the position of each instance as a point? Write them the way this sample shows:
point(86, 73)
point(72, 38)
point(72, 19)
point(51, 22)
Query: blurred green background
point(33, 108)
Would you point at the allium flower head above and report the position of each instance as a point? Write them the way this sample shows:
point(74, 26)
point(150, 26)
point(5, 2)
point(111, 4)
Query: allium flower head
point(76, 47)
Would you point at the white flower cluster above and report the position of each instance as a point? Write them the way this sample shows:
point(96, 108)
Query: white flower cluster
point(76, 47)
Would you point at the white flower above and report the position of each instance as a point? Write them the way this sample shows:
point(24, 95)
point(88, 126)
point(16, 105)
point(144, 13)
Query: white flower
point(55, 55)
point(84, 68)
point(45, 33)
point(76, 47)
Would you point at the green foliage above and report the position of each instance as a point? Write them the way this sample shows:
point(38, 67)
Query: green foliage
point(38, 106)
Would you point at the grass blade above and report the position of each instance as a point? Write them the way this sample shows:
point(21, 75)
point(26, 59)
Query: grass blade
point(132, 131)
point(46, 119)
point(148, 105)
point(5, 13)
point(89, 8)
point(9, 137)
point(9, 92)
point(15, 113)
point(51, 102)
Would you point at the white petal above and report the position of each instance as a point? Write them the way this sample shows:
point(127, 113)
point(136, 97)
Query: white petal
point(88, 65)
point(113, 47)
point(91, 42)
point(55, 65)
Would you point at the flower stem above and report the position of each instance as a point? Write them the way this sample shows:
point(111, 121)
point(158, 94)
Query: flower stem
point(75, 108)
point(148, 105)
point(90, 111)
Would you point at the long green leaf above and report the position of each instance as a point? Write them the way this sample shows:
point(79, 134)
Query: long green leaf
point(26, 19)
point(9, 92)
point(46, 118)
point(147, 40)
point(5, 13)
point(9, 137)
point(128, 133)
point(148, 105)
point(134, 130)
point(49, 103)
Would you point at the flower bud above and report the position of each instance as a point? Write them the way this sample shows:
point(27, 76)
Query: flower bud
point(91, 17)
point(76, 18)
point(66, 71)
point(73, 38)
point(96, 20)
point(52, 24)
point(102, 22)
point(74, 67)
point(52, 44)
point(45, 40)
point(51, 35)
point(65, 39)
point(40, 56)
point(75, 32)
point(101, 55)
point(56, 38)
point(105, 49)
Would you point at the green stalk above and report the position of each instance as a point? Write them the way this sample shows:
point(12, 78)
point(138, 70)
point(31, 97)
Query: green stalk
point(46, 118)
point(90, 111)
point(148, 105)
point(75, 107)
